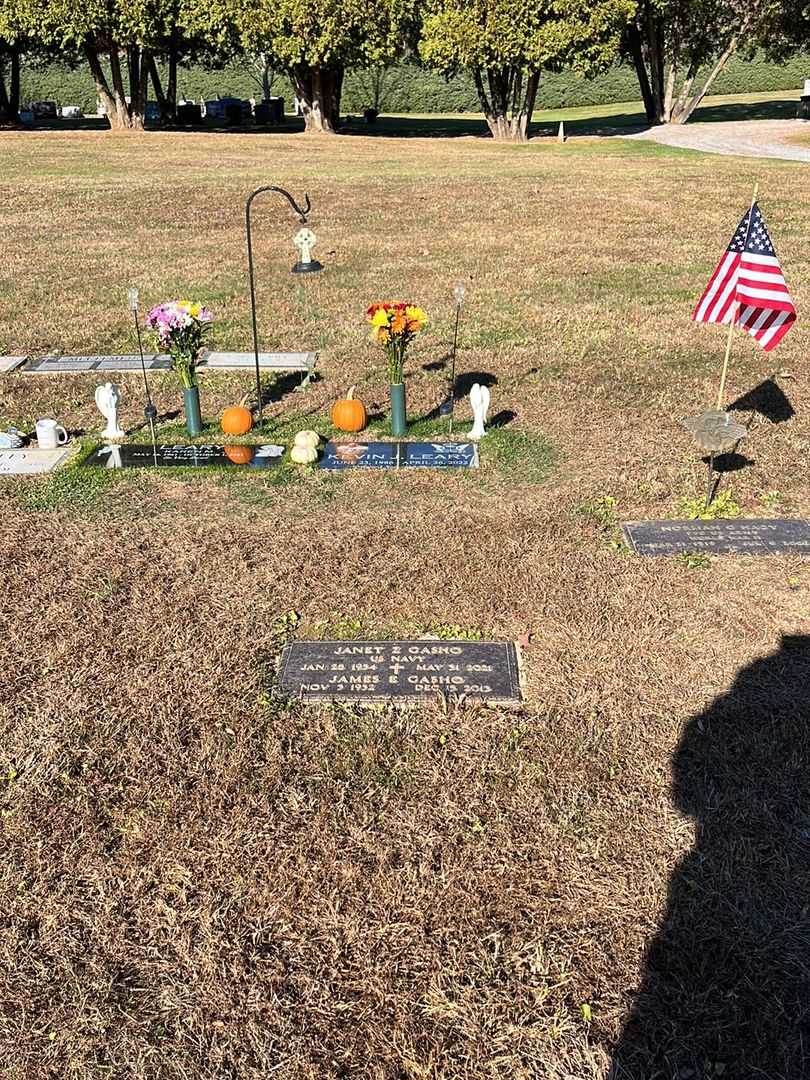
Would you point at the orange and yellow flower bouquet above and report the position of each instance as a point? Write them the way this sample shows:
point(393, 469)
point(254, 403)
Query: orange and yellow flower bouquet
point(394, 326)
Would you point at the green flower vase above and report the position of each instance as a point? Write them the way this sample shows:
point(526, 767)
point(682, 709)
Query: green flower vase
point(191, 405)
point(399, 418)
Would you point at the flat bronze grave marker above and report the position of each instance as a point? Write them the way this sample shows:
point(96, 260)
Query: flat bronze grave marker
point(751, 536)
point(395, 455)
point(186, 455)
point(400, 670)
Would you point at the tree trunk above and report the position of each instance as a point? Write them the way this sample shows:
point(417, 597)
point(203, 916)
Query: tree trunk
point(507, 103)
point(10, 94)
point(637, 52)
point(14, 84)
point(171, 81)
point(686, 105)
point(683, 96)
point(672, 77)
point(119, 116)
point(319, 91)
point(6, 116)
point(654, 52)
point(103, 91)
point(645, 36)
point(138, 108)
point(154, 75)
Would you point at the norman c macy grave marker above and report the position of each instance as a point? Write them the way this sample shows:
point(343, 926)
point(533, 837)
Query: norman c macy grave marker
point(753, 536)
point(400, 670)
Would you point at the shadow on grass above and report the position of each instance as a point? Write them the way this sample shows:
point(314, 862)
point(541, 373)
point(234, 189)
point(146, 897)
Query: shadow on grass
point(461, 389)
point(726, 983)
point(768, 400)
point(449, 127)
point(731, 462)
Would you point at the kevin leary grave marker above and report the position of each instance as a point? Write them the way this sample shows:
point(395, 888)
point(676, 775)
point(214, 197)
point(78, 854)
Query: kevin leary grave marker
point(400, 670)
point(187, 455)
point(754, 536)
point(396, 455)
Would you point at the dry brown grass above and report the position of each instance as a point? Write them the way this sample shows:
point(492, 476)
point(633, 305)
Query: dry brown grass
point(199, 882)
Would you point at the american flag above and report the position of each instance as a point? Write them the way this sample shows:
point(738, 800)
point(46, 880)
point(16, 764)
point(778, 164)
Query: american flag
point(748, 286)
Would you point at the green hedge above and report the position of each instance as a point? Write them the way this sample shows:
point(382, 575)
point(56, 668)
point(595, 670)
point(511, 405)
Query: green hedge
point(408, 88)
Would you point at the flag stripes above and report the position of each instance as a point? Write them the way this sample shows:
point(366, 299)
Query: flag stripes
point(748, 287)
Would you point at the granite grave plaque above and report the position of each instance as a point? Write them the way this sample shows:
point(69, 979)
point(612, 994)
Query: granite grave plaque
point(30, 461)
point(55, 365)
point(394, 455)
point(271, 360)
point(752, 536)
point(9, 363)
point(143, 455)
point(400, 670)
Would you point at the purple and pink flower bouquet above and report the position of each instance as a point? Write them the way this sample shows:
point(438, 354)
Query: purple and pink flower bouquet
point(179, 326)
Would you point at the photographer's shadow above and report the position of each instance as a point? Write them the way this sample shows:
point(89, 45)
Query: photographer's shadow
point(726, 984)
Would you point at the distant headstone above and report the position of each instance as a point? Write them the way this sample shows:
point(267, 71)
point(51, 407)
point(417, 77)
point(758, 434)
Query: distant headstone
point(752, 536)
point(28, 462)
point(394, 455)
point(400, 670)
point(186, 455)
point(561, 132)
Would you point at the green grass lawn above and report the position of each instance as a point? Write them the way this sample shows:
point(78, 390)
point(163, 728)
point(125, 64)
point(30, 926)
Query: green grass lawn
point(200, 880)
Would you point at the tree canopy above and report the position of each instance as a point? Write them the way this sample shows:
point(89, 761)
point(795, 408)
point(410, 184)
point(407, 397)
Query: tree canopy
point(679, 47)
point(506, 44)
point(316, 40)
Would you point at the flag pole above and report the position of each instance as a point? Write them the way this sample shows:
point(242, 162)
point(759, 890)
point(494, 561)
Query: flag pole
point(736, 311)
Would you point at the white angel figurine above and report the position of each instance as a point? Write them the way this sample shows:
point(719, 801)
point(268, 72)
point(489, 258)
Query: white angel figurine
point(479, 400)
point(107, 398)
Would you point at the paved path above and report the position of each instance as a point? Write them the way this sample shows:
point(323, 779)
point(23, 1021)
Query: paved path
point(747, 138)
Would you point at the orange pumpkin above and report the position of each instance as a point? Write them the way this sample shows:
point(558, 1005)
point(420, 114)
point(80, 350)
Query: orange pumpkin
point(349, 414)
point(237, 420)
point(239, 455)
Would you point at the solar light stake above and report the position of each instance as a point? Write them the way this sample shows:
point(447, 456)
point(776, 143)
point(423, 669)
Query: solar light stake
point(304, 265)
point(710, 490)
point(459, 291)
point(149, 410)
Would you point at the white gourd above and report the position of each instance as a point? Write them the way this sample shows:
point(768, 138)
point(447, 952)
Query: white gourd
point(303, 455)
point(307, 438)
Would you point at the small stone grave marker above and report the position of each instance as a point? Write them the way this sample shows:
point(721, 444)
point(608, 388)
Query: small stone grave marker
point(752, 536)
point(394, 455)
point(400, 670)
point(55, 365)
point(144, 455)
point(9, 363)
point(28, 462)
point(271, 360)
